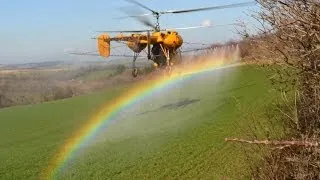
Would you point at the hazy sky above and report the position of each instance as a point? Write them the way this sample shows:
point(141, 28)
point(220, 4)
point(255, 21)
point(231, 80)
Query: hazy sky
point(42, 30)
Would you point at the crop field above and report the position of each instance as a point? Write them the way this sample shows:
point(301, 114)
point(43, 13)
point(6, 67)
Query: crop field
point(176, 133)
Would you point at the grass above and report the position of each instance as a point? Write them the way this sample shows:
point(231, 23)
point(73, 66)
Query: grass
point(177, 133)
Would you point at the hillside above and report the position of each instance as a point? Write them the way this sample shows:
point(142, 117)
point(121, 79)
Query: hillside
point(178, 132)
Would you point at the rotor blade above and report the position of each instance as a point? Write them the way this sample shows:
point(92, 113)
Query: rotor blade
point(125, 31)
point(144, 20)
point(141, 17)
point(209, 8)
point(132, 16)
point(141, 5)
point(191, 27)
point(97, 54)
point(196, 49)
point(197, 27)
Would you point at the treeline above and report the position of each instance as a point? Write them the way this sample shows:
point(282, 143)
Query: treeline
point(289, 39)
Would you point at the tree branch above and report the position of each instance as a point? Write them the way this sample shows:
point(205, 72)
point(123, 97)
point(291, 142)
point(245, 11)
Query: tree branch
point(277, 143)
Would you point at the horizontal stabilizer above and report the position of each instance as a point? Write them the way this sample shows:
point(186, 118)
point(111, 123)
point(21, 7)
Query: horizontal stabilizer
point(104, 45)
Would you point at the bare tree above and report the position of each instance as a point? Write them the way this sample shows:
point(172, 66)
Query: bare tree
point(290, 29)
point(295, 29)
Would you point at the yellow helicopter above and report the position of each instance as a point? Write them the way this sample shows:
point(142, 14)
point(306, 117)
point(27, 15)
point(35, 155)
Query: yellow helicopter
point(162, 45)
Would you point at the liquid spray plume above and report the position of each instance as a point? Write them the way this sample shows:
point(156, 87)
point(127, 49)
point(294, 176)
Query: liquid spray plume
point(226, 54)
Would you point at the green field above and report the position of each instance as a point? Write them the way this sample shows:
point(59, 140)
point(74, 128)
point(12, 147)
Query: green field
point(175, 134)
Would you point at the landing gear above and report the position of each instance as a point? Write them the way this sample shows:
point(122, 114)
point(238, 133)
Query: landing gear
point(169, 70)
point(135, 72)
point(168, 67)
point(165, 58)
point(134, 68)
point(166, 53)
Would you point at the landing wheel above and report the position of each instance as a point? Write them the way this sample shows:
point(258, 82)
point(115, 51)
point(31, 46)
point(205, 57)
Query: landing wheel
point(135, 72)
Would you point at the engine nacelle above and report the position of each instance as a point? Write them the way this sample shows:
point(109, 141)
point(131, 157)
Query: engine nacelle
point(172, 40)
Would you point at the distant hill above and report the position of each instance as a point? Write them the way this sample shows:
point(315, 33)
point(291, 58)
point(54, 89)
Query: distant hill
point(34, 65)
point(71, 64)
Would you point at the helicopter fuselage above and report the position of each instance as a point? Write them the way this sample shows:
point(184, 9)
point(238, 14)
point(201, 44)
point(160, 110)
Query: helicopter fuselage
point(162, 45)
point(138, 42)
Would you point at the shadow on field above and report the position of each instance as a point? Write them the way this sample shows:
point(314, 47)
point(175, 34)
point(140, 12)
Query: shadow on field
point(173, 106)
point(238, 88)
point(185, 102)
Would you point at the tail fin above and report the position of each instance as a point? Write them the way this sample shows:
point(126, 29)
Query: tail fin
point(104, 45)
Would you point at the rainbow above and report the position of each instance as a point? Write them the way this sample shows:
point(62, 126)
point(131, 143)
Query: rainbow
point(112, 108)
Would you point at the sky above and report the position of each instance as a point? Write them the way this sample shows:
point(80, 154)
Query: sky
point(33, 31)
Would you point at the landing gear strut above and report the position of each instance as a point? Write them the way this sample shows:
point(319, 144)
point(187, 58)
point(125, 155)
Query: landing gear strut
point(134, 68)
point(135, 72)
point(166, 53)
point(169, 68)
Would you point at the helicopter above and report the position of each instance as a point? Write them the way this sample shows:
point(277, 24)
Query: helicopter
point(162, 45)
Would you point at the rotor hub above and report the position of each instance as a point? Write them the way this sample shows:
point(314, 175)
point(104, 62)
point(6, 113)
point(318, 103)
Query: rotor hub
point(157, 25)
